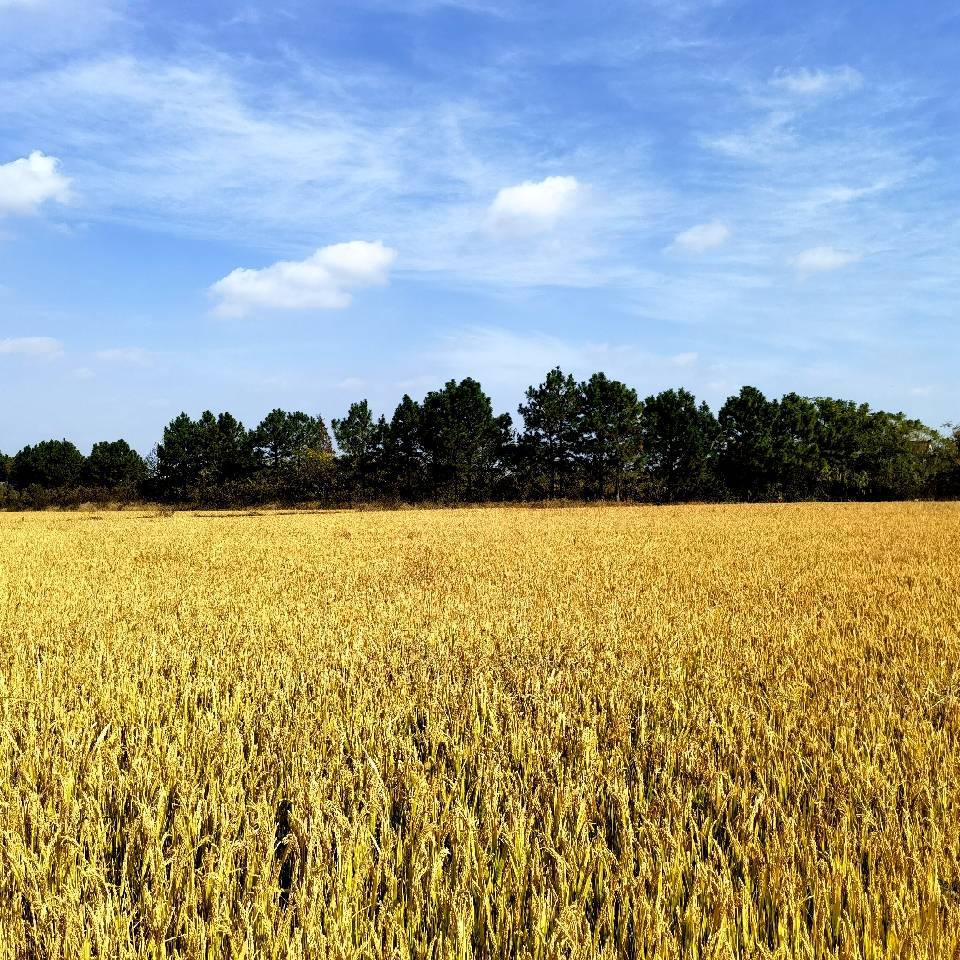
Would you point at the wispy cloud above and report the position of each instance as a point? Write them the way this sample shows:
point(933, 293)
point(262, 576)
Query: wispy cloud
point(468, 172)
point(262, 135)
point(40, 347)
point(188, 145)
point(509, 361)
point(814, 83)
point(824, 259)
point(134, 356)
point(702, 237)
point(770, 136)
point(326, 280)
point(421, 7)
point(201, 148)
point(845, 194)
point(45, 29)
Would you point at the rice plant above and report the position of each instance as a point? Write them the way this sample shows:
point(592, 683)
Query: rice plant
point(616, 732)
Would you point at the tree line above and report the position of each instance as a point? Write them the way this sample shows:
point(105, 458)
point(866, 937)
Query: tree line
point(590, 440)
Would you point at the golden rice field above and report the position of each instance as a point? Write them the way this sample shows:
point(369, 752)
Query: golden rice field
point(624, 732)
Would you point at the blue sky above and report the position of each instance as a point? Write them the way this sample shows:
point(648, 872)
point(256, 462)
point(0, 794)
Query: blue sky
point(247, 205)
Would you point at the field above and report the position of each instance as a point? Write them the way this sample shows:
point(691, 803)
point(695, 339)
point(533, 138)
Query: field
point(677, 732)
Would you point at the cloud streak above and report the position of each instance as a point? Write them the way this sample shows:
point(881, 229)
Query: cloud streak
point(824, 260)
point(45, 348)
point(702, 237)
point(815, 83)
point(134, 356)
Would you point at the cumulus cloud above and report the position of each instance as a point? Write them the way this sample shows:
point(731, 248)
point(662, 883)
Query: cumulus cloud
point(136, 356)
point(531, 207)
point(44, 347)
point(824, 259)
point(323, 281)
point(814, 83)
point(702, 237)
point(27, 183)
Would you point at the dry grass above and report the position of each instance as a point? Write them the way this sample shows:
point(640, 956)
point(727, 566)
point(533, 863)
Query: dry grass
point(691, 732)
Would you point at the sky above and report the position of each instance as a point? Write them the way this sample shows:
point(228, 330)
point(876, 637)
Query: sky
point(241, 206)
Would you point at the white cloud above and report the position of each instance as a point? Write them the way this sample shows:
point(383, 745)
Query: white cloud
point(824, 259)
point(27, 183)
point(685, 359)
point(531, 207)
point(205, 149)
point(702, 237)
point(323, 281)
point(843, 194)
point(136, 356)
point(813, 83)
point(44, 347)
point(200, 148)
point(84, 373)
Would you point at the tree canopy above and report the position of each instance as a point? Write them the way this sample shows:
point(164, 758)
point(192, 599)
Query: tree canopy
point(590, 440)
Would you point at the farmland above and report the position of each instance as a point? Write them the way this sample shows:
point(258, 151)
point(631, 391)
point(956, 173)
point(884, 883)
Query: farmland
point(701, 731)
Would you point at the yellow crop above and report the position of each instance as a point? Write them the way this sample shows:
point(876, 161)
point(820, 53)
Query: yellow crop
point(628, 732)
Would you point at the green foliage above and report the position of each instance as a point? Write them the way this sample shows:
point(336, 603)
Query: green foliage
point(404, 457)
point(748, 425)
point(948, 474)
point(797, 461)
point(901, 456)
point(286, 439)
point(843, 439)
point(361, 440)
point(680, 441)
point(611, 432)
point(50, 464)
point(551, 434)
point(114, 464)
point(465, 446)
point(196, 456)
point(592, 440)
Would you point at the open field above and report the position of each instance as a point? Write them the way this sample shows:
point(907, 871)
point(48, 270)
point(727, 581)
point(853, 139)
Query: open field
point(686, 732)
